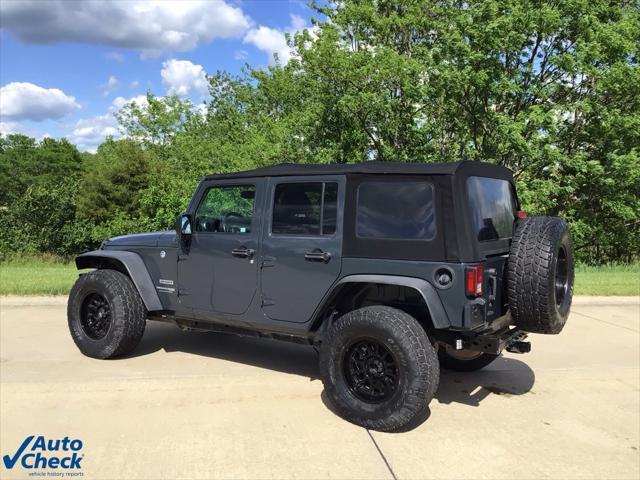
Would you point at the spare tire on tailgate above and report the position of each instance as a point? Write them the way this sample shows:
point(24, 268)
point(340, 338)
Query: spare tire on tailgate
point(540, 274)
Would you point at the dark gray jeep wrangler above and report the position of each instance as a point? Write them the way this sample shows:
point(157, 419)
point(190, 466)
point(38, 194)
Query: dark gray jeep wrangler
point(392, 270)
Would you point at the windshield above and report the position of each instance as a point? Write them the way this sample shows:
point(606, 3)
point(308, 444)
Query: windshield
point(493, 207)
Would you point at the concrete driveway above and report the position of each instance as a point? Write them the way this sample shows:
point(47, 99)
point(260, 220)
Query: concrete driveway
point(193, 405)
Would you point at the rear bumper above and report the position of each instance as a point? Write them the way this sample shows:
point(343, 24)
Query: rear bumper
point(510, 339)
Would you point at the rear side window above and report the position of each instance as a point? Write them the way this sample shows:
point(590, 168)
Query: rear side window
point(305, 208)
point(396, 210)
point(493, 207)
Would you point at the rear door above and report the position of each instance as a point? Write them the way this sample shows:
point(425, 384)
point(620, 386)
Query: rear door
point(302, 244)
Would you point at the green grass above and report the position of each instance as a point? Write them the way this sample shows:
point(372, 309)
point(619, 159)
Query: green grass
point(36, 276)
point(608, 280)
point(51, 276)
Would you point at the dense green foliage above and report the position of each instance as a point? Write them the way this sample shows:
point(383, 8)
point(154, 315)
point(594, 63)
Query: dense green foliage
point(113, 182)
point(549, 90)
point(26, 162)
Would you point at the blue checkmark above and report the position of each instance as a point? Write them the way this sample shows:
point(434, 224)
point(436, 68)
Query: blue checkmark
point(10, 462)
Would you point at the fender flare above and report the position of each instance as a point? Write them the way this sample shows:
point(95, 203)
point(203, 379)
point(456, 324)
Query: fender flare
point(428, 292)
point(135, 267)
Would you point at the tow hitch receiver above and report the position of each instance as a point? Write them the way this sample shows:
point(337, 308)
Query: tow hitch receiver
point(511, 340)
point(519, 347)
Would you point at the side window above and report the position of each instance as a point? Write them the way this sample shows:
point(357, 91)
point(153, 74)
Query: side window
point(305, 208)
point(396, 210)
point(226, 209)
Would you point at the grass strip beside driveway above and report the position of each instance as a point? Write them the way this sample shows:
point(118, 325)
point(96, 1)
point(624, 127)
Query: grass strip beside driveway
point(54, 277)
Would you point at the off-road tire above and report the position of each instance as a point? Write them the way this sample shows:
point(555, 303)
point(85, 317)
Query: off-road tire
point(458, 365)
point(538, 244)
point(128, 314)
point(416, 360)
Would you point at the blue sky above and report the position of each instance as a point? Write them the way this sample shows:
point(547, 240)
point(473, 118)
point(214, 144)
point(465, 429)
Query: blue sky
point(67, 65)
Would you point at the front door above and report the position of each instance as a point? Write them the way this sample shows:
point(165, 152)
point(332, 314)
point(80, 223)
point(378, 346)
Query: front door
point(302, 245)
point(218, 271)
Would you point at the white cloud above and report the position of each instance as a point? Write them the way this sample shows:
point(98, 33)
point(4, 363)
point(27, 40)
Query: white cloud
point(26, 101)
point(202, 109)
point(240, 55)
point(115, 56)
point(88, 133)
point(181, 77)
point(297, 23)
point(152, 27)
point(273, 41)
point(119, 102)
point(108, 87)
point(8, 128)
point(134, 84)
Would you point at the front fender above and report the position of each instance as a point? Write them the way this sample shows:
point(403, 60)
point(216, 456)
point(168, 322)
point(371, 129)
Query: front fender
point(428, 292)
point(133, 266)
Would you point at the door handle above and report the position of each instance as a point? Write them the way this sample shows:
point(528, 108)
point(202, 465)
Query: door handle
point(317, 256)
point(243, 252)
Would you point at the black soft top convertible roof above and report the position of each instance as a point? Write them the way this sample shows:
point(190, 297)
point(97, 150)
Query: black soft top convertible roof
point(370, 168)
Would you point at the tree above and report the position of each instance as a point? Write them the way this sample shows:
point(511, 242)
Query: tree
point(113, 185)
point(549, 91)
point(25, 162)
point(155, 121)
point(43, 220)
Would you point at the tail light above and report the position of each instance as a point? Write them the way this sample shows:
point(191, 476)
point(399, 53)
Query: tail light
point(473, 277)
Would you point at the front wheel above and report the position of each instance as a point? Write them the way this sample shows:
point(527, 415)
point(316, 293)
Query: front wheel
point(379, 368)
point(106, 314)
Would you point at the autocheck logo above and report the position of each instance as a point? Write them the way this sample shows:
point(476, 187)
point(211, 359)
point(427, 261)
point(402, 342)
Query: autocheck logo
point(38, 452)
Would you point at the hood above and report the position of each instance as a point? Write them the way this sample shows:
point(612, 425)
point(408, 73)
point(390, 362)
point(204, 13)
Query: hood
point(153, 239)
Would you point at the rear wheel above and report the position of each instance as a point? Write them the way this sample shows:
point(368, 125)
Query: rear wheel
point(379, 368)
point(105, 313)
point(463, 360)
point(540, 274)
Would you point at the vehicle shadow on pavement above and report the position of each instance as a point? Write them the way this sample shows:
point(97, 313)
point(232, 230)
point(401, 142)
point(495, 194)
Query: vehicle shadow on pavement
point(259, 352)
point(505, 377)
point(414, 423)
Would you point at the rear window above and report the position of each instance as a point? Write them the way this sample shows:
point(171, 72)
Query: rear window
point(305, 208)
point(396, 210)
point(493, 207)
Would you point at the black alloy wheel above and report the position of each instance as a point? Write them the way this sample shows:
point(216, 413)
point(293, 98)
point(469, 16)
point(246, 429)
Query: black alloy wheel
point(379, 368)
point(371, 371)
point(95, 316)
point(106, 314)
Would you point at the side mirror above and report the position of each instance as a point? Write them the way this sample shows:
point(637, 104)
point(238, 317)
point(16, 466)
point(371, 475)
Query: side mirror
point(183, 225)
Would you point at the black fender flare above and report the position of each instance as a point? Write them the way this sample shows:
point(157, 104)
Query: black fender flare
point(135, 268)
point(428, 292)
